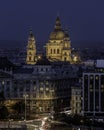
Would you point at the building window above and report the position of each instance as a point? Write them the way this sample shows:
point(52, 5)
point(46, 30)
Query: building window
point(46, 69)
point(65, 53)
point(34, 87)
point(91, 77)
point(47, 89)
point(41, 69)
point(97, 77)
point(37, 70)
point(34, 82)
point(29, 53)
point(51, 51)
point(102, 86)
point(91, 90)
point(34, 95)
point(41, 89)
point(8, 82)
point(64, 58)
point(57, 51)
point(46, 82)
point(54, 51)
point(29, 58)
point(86, 77)
point(27, 88)
point(3, 82)
point(66, 45)
point(91, 86)
point(27, 82)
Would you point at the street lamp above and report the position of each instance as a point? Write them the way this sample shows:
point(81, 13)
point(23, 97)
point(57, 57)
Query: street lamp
point(25, 96)
point(52, 111)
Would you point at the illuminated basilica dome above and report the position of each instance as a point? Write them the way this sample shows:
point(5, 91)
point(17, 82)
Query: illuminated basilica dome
point(58, 47)
point(58, 33)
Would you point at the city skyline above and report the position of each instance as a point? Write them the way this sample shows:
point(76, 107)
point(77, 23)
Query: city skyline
point(83, 19)
point(52, 64)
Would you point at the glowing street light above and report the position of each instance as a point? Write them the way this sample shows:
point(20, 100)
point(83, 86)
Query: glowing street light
point(25, 96)
point(52, 111)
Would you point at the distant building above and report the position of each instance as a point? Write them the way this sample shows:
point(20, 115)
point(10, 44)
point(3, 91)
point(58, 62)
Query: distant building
point(93, 94)
point(76, 101)
point(100, 63)
point(6, 83)
point(47, 84)
point(89, 63)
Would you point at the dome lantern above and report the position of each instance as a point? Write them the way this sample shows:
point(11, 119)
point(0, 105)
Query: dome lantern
point(58, 24)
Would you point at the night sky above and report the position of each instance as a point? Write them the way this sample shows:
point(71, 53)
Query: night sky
point(83, 18)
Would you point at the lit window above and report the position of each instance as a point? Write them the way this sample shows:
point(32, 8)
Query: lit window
point(91, 90)
point(102, 86)
point(47, 89)
point(41, 89)
point(3, 82)
point(41, 69)
point(46, 82)
point(97, 77)
point(102, 90)
point(90, 86)
point(27, 82)
point(91, 77)
point(34, 87)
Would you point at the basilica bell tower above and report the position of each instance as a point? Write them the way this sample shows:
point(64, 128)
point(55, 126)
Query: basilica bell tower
point(31, 50)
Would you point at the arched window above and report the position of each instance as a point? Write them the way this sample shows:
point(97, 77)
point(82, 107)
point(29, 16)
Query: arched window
point(64, 58)
point(57, 51)
point(54, 51)
point(29, 58)
point(51, 51)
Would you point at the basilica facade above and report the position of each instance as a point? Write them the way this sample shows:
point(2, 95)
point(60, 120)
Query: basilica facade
point(58, 47)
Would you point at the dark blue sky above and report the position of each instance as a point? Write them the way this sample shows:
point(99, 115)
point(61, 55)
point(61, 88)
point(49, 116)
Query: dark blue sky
point(83, 18)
